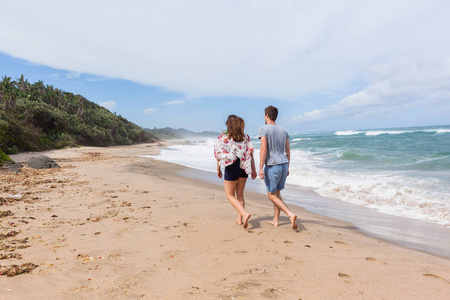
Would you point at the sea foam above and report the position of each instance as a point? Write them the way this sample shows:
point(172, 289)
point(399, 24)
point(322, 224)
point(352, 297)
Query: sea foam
point(406, 173)
point(387, 193)
point(348, 132)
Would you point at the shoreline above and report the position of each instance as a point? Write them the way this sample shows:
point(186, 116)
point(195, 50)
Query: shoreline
point(110, 224)
point(412, 234)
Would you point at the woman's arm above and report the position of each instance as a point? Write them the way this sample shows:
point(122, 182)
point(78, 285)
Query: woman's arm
point(254, 175)
point(219, 171)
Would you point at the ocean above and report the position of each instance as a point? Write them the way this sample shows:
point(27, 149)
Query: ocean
point(403, 172)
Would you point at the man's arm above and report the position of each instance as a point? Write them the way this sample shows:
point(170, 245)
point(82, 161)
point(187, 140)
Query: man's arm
point(262, 156)
point(288, 153)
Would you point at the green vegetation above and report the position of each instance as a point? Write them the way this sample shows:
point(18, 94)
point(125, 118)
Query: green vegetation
point(35, 117)
point(4, 158)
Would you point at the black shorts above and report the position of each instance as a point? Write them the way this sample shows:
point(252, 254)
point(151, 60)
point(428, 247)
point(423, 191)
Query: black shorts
point(234, 172)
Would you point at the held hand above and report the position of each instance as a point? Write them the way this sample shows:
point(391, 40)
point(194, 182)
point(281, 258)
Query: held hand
point(254, 175)
point(219, 173)
point(261, 174)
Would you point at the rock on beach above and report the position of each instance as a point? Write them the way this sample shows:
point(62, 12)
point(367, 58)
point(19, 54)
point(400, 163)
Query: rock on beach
point(42, 162)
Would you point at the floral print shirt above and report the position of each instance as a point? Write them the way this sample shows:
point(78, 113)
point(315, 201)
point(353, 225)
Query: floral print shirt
point(226, 151)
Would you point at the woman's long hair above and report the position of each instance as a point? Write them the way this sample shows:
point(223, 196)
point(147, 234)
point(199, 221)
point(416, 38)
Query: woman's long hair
point(235, 127)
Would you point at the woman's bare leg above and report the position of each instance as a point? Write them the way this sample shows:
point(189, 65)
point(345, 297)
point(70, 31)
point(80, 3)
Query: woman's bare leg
point(240, 196)
point(230, 192)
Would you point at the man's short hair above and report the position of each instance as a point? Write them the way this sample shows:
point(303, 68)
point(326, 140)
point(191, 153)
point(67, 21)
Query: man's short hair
point(272, 112)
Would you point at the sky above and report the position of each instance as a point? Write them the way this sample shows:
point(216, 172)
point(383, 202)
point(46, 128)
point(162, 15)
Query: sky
point(327, 65)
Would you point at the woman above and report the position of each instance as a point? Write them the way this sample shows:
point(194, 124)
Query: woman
point(234, 151)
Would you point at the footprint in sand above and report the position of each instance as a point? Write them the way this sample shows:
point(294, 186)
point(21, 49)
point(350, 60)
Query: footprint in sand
point(270, 293)
point(435, 276)
point(373, 259)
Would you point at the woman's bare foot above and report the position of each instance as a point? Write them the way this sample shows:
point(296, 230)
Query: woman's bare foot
point(246, 220)
point(239, 221)
point(294, 224)
point(273, 223)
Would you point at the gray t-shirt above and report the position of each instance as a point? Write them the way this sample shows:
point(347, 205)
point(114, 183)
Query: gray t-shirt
point(276, 144)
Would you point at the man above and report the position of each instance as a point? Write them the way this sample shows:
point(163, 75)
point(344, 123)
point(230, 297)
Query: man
point(275, 155)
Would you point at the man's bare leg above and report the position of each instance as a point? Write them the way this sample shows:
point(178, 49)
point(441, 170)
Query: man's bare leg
point(230, 191)
point(276, 216)
point(276, 211)
point(281, 206)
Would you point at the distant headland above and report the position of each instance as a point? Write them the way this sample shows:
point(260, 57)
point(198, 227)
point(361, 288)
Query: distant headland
point(169, 133)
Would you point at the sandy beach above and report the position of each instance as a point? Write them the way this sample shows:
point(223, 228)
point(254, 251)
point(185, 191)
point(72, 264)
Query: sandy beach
point(112, 225)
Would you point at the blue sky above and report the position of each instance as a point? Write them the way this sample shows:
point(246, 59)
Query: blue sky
point(327, 65)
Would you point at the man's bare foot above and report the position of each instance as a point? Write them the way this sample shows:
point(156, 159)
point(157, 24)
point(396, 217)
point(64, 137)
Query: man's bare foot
point(273, 223)
point(294, 224)
point(246, 220)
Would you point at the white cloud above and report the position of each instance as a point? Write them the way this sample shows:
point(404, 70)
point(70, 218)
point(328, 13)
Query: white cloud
point(398, 84)
point(149, 111)
point(108, 104)
point(72, 75)
point(233, 47)
point(272, 49)
point(174, 102)
point(68, 75)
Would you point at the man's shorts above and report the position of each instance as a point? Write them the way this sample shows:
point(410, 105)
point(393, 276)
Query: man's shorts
point(275, 177)
point(234, 172)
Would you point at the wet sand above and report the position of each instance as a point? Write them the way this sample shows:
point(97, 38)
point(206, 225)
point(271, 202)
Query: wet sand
point(112, 225)
point(410, 233)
